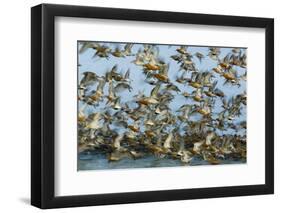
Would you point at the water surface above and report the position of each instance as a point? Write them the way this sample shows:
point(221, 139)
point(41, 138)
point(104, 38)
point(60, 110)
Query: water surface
point(98, 161)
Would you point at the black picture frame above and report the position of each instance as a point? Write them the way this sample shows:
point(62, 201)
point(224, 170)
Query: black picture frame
point(43, 105)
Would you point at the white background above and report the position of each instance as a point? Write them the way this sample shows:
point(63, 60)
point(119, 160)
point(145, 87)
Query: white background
point(15, 106)
point(129, 180)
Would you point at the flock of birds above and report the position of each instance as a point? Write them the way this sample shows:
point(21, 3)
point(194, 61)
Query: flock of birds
point(195, 129)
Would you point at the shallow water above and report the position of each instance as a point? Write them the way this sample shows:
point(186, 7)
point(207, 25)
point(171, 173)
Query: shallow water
point(98, 161)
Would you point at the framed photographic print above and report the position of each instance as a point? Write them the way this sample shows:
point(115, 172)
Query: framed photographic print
point(139, 106)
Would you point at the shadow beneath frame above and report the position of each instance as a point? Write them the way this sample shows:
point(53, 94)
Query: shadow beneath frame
point(25, 200)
